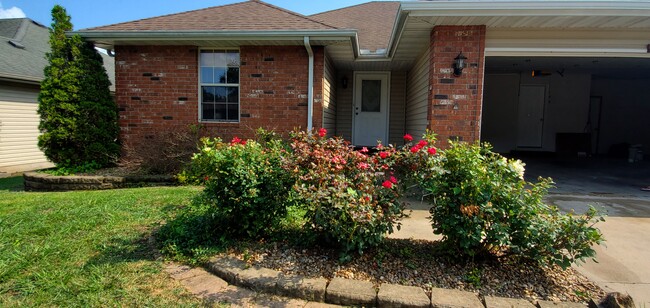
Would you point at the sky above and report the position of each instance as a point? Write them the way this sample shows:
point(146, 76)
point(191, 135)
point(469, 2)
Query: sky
point(93, 13)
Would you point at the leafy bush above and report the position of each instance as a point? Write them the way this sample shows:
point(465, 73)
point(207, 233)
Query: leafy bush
point(78, 114)
point(482, 205)
point(246, 188)
point(350, 198)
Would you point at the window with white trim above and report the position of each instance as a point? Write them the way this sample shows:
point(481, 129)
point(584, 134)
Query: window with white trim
point(219, 83)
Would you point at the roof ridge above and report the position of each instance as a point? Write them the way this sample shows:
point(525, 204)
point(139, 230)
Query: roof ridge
point(293, 13)
point(166, 15)
point(219, 6)
point(22, 30)
point(351, 6)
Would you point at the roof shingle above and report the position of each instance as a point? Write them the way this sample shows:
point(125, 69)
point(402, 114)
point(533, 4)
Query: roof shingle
point(243, 16)
point(373, 21)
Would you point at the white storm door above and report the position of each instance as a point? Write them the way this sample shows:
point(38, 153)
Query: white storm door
point(531, 116)
point(370, 117)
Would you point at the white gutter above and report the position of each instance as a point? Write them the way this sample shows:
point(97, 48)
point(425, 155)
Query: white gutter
point(310, 86)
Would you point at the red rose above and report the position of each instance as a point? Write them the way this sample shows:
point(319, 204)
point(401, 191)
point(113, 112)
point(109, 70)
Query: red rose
point(322, 132)
point(415, 149)
point(408, 138)
point(243, 142)
point(364, 150)
point(422, 143)
point(393, 180)
point(432, 151)
point(387, 184)
point(235, 140)
point(383, 155)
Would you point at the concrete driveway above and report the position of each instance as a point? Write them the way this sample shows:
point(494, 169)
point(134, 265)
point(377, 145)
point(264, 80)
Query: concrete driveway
point(611, 186)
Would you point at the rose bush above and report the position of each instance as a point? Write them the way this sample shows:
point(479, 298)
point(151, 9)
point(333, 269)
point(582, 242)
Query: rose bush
point(351, 200)
point(482, 205)
point(246, 187)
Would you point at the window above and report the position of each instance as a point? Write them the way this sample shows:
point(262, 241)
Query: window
point(219, 78)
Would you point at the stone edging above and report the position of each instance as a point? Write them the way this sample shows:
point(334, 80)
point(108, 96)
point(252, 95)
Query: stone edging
point(353, 292)
point(36, 181)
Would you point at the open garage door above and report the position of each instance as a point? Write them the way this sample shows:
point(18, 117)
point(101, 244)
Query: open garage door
point(588, 105)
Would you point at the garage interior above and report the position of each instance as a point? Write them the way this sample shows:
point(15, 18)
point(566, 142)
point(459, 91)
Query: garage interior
point(586, 115)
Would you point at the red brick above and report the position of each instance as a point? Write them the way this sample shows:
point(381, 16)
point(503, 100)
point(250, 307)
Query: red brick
point(446, 43)
point(159, 98)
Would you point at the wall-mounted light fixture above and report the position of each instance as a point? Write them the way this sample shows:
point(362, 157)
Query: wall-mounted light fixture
point(344, 82)
point(459, 64)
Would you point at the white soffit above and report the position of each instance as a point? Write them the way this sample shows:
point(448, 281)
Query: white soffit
point(554, 28)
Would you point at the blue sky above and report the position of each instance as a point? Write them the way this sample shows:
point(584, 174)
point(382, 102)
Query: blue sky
point(92, 13)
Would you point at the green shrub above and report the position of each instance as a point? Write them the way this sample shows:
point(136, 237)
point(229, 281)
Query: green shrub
point(78, 115)
point(246, 188)
point(350, 198)
point(482, 205)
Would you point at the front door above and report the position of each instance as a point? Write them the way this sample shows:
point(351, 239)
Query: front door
point(370, 108)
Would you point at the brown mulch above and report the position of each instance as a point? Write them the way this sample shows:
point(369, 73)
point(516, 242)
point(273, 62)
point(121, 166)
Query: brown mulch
point(420, 263)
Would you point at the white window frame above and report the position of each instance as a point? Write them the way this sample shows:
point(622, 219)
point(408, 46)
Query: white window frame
point(201, 84)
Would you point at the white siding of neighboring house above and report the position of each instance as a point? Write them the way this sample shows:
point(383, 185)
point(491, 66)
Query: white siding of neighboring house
point(19, 129)
point(397, 115)
point(329, 97)
point(417, 97)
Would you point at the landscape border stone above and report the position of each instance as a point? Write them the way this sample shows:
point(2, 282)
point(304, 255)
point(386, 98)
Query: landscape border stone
point(502, 302)
point(394, 295)
point(343, 291)
point(37, 181)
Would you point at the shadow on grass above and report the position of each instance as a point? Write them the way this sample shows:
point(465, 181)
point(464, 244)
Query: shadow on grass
point(126, 250)
point(12, 184)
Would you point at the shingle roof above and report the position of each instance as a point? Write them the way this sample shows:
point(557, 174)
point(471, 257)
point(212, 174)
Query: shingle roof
point(29, 60)
point(373, 21)
point(242, 16)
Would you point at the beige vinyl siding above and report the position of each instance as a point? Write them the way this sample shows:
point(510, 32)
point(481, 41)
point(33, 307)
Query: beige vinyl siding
point(344, 106)
point(397, 102)
point(19, 129)
point(417, 97)
point(329, 97)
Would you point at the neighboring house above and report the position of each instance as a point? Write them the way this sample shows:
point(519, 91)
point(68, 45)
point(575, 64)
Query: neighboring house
point(540, 75)
point(23, 44)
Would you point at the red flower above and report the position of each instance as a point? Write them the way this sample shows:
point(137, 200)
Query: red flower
point(206, 178)
point(322, 132)
point(235, 140)
point(432, 151)
point(383, 155)
point(415, 149)
point(364, 150)
point(380, 146)
point(393, 180)
point(422, 143)
point(363, 165)
point(243, 142)
point(387, 184)
point(408, 138)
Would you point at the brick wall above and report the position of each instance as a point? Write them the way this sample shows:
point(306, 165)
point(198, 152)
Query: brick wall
point(157, 89)
point(455, 102)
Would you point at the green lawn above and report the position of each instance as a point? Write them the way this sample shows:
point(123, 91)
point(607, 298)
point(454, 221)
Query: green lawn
point(88, 248)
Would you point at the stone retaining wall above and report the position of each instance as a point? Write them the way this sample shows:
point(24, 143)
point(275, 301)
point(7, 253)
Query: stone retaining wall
point(35, 181)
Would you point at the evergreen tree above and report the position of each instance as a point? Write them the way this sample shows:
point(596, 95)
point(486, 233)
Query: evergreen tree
point(78, 115)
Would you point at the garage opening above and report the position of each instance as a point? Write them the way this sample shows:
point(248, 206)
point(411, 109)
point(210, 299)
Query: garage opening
point(591, 112)
point(573, 105)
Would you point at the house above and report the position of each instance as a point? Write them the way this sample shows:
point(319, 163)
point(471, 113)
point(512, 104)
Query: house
point(23, 44)
point(524, 75)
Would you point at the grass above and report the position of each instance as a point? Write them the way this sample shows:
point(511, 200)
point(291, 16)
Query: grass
point(89, 248)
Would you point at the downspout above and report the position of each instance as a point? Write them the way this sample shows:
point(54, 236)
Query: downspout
point(310, 86)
